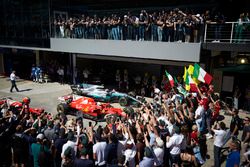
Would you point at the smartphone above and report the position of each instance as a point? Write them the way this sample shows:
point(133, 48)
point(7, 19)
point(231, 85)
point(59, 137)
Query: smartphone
point(90, 124)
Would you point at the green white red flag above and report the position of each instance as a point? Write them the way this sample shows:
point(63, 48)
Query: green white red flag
point(190, 85)
point(201, 74)
point(170, 78)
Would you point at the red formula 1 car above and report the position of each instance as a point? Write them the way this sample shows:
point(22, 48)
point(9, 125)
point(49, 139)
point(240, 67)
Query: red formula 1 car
point(87, 108)
point(16, 106)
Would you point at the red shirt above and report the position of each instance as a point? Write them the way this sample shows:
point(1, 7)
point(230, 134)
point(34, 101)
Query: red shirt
point(194, 136)
point(204, 102)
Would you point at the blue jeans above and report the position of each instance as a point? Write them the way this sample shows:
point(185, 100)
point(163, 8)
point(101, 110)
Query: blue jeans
point(115, 32)
point(109, 32)
point(159, 31)
point(141, 32)
point(154, 32)
point(130, 32)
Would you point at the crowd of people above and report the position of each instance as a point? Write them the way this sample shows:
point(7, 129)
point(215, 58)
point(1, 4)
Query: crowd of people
point(166, 25)
point(53, 71)
point(172, 25)
point(171, 130)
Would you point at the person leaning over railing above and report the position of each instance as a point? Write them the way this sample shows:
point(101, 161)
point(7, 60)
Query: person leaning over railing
point(239, 29)
point(150, 26)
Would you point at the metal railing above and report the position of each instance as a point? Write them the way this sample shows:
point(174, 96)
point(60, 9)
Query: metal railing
point(228, 32)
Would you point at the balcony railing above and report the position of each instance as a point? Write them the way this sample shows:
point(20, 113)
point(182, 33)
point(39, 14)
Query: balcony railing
point(228, 32)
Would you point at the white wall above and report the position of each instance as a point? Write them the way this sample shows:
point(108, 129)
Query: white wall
point(189, 52)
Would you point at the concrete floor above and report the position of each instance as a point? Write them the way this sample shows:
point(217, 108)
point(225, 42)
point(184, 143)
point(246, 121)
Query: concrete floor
point(45, 96)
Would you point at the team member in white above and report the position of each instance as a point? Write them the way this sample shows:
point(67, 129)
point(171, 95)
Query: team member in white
point(13, 81)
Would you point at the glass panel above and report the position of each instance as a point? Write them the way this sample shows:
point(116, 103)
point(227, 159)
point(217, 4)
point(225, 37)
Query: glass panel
point(24, 23)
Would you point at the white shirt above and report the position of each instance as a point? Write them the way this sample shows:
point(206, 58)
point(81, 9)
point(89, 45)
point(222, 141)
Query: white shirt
point(199, 112)
point(85, 73)
point(99, 149)
point(12, 77)
point(170, 127)
point(159, 154)
point(60, 72)
point(163, 118)
point(219, 137)
point(175, 143)
point(121, 146)
point(66, 145)
point(130, 155)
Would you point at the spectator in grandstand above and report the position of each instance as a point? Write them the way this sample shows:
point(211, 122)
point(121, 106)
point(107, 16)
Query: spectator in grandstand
point(160, 24)
point(179, 30)
point(61, 24)
point(153, 24)
point(187, 28)
point(219, 20)
point(239, 29)
point(196, 27)
point(142, 24)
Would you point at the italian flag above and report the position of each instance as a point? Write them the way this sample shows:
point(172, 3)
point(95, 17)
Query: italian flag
point(170, 78)
point(190, 84)
point(201, 74)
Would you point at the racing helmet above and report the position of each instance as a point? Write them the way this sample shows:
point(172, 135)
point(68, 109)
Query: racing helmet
point(26, 100)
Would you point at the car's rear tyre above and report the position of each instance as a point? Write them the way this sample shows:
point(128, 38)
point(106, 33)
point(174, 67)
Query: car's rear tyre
point(123, 101)
point(108, 117)
point(62, 108)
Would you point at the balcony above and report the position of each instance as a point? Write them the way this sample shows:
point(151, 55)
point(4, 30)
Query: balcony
point(230, 36)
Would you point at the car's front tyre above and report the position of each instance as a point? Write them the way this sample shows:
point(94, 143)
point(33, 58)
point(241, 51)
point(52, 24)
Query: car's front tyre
point(123, 101)
point(62, 108)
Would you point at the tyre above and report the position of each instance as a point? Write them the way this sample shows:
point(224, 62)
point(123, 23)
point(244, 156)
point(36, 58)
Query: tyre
point(123, 101)
point(128, 110)
point(62, 108)
point(108, 117)
point(79, 114)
